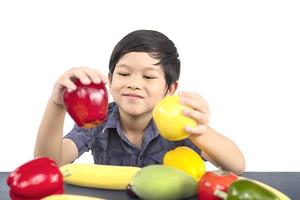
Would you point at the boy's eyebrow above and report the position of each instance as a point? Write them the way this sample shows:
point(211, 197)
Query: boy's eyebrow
point(122, 65)
point(145, 68)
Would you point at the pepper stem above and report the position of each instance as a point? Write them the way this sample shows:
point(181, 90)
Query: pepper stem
point(66, 173)
point(220, 194)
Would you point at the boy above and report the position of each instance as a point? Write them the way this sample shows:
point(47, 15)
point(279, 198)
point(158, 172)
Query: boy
point(143, 68)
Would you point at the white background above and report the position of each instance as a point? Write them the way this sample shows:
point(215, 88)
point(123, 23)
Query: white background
point(243, 57)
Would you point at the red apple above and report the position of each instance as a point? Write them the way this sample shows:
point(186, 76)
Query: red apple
point(214, 180)
point(88, 104)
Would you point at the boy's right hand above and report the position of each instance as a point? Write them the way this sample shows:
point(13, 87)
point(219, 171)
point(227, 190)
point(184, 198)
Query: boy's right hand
point(85, 74)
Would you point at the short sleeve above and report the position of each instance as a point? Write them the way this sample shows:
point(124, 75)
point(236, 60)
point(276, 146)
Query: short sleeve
point(82, 138)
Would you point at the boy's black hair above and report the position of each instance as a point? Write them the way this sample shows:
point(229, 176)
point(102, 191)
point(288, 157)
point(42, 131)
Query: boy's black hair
point(156, 44)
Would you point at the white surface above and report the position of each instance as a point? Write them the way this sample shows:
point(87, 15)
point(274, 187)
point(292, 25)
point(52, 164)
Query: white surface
point(242, 56)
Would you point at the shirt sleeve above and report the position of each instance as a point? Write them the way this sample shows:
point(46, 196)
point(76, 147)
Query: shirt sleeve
point(82, 138)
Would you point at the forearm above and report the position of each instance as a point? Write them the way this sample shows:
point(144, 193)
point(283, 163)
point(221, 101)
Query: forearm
point(220, 150)
point(49, 137)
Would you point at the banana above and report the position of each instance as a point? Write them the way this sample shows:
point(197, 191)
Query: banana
point(98, 176)
point(278, 193)
point(69, 197)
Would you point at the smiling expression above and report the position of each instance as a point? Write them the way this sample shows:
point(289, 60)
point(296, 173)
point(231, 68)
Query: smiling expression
point(137, 83)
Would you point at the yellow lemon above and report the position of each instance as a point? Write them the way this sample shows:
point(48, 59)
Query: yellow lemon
point(169, 119)
point(187, 160)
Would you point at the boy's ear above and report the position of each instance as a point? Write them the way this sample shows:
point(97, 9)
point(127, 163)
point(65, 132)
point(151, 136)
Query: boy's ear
point(173, 88)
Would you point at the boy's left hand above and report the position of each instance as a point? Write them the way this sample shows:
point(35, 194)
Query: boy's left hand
point(199, 112)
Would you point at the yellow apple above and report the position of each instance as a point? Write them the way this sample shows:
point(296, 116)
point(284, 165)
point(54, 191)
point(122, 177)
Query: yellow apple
point(170, 120)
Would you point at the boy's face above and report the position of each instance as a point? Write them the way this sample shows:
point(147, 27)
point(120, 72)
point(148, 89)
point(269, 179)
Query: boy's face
point(137, 84)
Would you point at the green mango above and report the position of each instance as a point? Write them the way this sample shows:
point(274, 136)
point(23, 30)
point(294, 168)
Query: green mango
point(163, 182)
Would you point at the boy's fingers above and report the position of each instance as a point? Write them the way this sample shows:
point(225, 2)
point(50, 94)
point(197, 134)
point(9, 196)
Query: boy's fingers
point(81, 75)
point(200, 129)
point(198, 116)
point(86, 75)
point(95, 75)
point(190, 95)
point(68, 84)
point(195, 104)
point(102, 76)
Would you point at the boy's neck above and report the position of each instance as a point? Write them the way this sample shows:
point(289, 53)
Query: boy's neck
point(134, 126)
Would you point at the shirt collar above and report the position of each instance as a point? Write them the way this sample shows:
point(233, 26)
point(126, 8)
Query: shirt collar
point(150, 132)
point(113, 121)
point(113, 118)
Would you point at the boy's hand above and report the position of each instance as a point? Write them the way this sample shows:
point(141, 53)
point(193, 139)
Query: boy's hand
point(85, 74)
point(200, 112)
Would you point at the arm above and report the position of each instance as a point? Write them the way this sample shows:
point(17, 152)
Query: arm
point(218, 149)
point(50, 142)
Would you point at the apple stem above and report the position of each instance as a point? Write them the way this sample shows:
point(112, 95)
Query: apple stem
point(220, 194)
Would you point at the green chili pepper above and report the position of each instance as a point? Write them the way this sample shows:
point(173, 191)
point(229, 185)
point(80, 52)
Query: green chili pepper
point(246, 190)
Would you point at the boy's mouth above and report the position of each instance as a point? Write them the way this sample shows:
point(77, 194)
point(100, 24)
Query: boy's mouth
point(133, 95)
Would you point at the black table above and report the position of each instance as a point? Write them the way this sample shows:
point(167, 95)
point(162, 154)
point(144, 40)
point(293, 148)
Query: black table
point(287, 182)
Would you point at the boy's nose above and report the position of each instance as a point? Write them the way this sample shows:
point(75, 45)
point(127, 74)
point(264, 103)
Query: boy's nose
point(134, 83)
point(134, 87)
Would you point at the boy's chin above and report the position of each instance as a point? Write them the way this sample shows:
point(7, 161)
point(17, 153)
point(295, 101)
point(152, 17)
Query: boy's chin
point(135, 112)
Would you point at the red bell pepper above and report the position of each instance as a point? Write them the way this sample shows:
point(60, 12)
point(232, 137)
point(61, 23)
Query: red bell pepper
point(17, 197)
point(35, 179)
point(35, 162)
point(214, 180)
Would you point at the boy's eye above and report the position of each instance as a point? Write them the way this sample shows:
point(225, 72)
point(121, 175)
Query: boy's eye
point(149, 77)
point(123, 74)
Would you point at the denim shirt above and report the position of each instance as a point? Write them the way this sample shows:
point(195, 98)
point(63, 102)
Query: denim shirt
point(110, 146)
